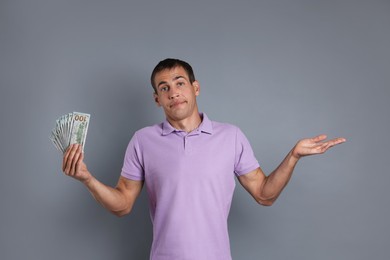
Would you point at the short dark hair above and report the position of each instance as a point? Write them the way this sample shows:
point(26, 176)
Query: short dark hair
point(171, 64)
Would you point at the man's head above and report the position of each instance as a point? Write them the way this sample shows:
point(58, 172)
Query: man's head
point(169, 64)
point(175, 90)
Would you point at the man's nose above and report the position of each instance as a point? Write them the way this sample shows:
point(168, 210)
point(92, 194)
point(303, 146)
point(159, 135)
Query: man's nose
point(173, 93)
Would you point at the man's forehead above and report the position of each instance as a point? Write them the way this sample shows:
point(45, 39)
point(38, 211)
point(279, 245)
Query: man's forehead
point(171, 74)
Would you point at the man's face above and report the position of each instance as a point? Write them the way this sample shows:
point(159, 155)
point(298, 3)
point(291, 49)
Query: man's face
point(175, 94)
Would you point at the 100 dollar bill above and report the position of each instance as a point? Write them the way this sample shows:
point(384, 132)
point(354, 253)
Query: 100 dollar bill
point(70, 128)
point(79, 128)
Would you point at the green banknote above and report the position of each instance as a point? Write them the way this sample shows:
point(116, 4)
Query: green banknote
point(70, 128)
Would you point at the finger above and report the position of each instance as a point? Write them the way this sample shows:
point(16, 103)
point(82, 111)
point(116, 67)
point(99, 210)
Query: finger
point(332, 143)
point(325, 147)
point(318, 138)
point(80, 161)
point(75, 161)
point(340, 140)
point(336, 141)
point(318, 148)
point(66, 157)
point(69, 160)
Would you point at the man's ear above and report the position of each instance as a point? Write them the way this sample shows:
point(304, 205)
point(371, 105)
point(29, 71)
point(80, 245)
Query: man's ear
point(155, 96)
point(196, 87)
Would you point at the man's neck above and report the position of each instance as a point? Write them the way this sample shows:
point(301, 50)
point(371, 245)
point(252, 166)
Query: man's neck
point(188, 124)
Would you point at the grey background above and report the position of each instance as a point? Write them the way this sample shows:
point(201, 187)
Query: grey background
point(281, 70)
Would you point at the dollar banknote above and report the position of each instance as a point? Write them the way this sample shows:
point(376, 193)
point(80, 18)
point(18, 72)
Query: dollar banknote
point(70, 128)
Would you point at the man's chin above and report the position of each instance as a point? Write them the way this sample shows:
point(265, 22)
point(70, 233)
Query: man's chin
point(177, 115)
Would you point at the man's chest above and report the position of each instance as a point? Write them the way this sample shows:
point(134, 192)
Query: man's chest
point(189, 161)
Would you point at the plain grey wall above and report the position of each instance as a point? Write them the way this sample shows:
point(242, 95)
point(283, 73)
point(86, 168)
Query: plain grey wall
point(281, 70)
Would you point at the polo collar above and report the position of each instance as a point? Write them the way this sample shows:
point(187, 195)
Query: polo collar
point(205, 127)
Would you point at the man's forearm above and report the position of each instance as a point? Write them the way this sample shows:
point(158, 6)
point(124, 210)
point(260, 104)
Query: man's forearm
point(110, 198)
point(118, 200)
point(278, 179)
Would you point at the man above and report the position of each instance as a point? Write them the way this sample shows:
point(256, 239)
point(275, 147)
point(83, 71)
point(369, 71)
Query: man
point(188, 164)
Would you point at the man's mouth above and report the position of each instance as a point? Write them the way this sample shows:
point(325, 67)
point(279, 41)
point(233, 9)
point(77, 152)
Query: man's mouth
point(177, 103)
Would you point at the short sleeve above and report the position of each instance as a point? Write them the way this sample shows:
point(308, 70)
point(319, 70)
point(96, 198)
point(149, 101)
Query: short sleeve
point(132, 165)
point(245, 160)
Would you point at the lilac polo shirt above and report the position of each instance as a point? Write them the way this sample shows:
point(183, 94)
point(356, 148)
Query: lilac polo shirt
point(189, 179)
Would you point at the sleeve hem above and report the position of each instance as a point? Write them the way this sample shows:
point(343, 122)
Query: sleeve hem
point(247, 170)
point(132, 177)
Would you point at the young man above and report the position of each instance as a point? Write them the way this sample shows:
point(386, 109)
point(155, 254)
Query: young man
point(188, 164)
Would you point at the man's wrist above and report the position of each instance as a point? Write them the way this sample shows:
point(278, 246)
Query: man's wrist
point(294, 155)
point(87, 181)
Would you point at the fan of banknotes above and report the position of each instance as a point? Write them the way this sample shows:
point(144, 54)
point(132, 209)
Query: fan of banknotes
point(70, 128)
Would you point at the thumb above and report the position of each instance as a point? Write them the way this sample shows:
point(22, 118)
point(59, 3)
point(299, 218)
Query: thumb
point(319, 138)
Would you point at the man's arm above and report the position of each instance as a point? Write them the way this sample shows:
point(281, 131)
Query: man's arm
point(118, 200)
point(266, 189)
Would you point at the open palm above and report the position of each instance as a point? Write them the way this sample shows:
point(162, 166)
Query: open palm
point(315, 145)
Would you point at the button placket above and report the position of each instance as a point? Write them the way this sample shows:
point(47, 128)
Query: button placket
point(188, 139)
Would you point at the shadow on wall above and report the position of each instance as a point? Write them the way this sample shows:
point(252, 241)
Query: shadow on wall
point(129, 99)
point(121, 103)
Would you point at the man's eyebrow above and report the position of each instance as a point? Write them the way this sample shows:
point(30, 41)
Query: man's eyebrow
point(179, 77)
point(174, 79)
point(161, 83)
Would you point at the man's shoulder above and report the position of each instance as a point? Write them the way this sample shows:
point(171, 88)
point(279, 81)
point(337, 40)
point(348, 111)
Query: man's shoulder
point(224, 127)
point(218, 124)
point(149, 130)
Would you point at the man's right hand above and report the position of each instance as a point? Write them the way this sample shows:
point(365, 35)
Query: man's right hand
point(118, 200)
point(73, 164)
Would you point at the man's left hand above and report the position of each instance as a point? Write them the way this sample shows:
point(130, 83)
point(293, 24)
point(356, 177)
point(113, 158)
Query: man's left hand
point(315, 145)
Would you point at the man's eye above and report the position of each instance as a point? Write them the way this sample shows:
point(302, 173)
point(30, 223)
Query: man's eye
point(180, 84)
point(164, 89)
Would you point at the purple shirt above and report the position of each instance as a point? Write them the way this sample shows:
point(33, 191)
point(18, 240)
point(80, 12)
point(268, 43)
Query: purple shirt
point(189, 179)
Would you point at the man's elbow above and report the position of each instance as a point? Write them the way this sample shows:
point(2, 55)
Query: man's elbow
point(266, 201)
point(121, 213)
